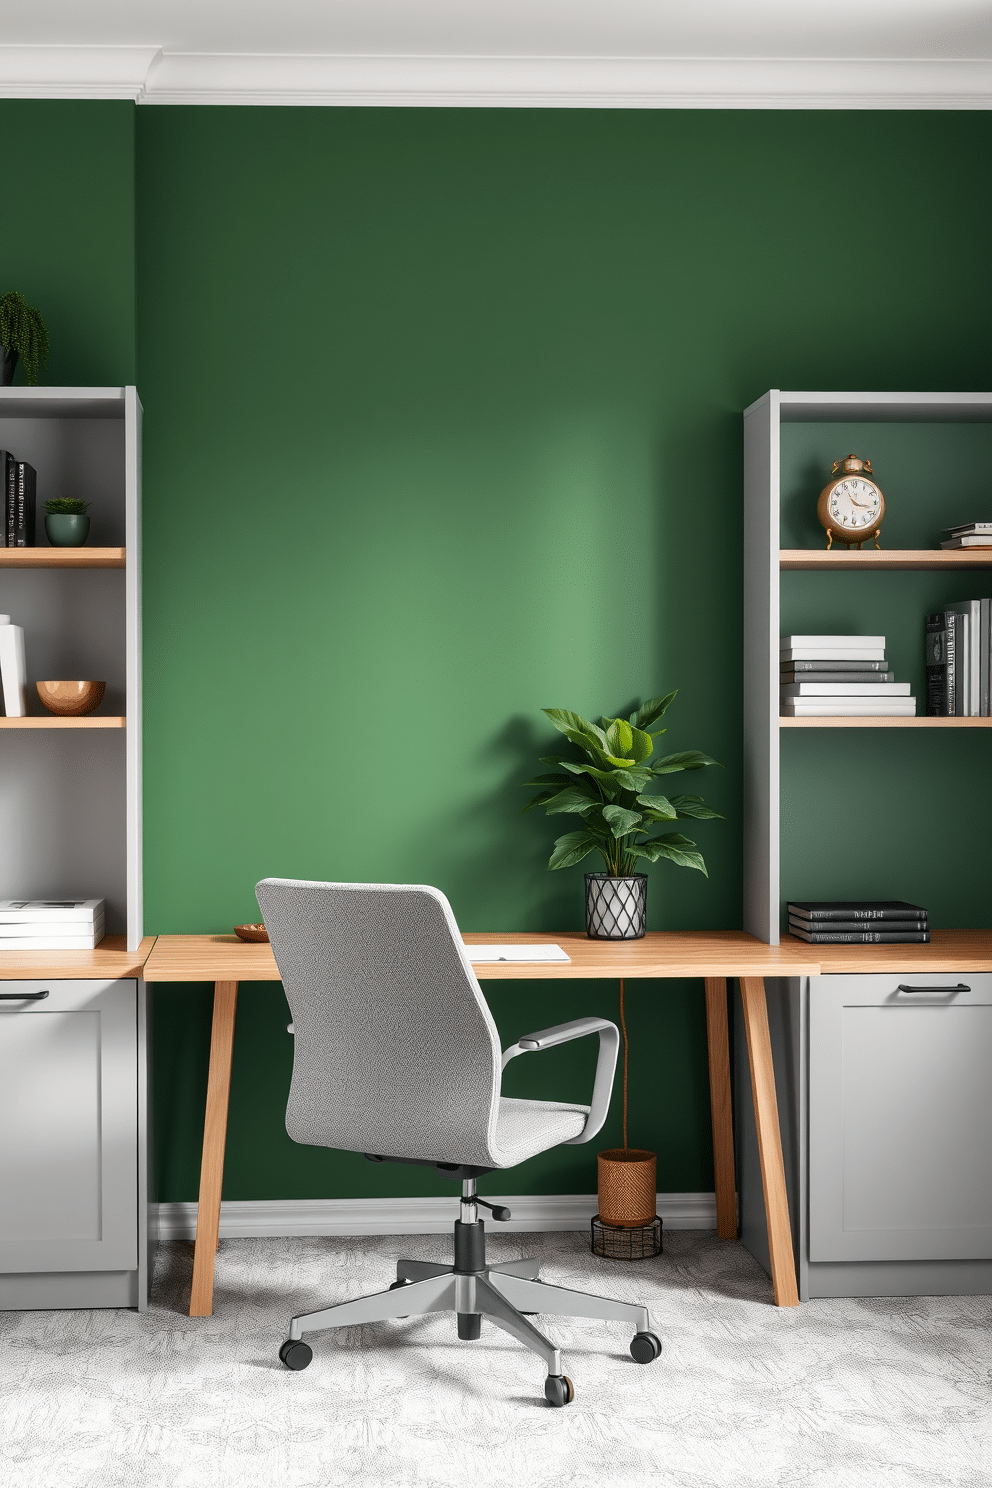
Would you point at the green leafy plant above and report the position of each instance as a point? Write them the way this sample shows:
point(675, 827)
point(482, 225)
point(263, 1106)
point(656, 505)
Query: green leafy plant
point(23, 330)
point(66, 506)
point(609, 786)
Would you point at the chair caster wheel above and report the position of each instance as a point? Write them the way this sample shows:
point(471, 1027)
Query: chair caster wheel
point(558, 1389)
point(645, 1347)
point(296, 1354)
point(395, 1285)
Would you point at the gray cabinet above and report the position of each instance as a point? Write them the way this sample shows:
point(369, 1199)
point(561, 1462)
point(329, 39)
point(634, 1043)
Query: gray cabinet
point(900, 1118)
point(72, 1100)
point(886, 1113)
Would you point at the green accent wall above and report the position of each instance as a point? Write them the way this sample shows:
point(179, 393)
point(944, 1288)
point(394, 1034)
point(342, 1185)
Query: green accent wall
point(68, 197)
point(443, 425)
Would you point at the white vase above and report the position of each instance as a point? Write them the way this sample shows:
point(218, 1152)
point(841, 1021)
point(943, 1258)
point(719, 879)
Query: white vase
point(13, 676)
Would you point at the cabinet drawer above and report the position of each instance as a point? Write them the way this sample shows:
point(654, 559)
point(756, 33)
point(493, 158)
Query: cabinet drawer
point(69, 1124)
point(900, 1117)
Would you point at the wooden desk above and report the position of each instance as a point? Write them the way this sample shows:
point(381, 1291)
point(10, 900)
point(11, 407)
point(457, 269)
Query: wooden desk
point(712, 955)
point(111, 959)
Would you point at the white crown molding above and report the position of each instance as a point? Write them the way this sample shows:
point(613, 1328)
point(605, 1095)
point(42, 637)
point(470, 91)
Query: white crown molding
point(74, 71)
point(150, 75)
point(568, 82)
point(240, 1219)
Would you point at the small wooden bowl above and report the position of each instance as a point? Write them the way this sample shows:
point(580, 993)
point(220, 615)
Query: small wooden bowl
point(71, 699)
point(251, 932)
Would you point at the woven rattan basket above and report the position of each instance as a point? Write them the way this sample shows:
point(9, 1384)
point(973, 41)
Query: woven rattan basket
point(627, 1194)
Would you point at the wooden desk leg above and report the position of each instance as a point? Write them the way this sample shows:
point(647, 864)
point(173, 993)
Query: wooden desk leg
point(201, 1301)
point(718, 1047)
point(759, 1048)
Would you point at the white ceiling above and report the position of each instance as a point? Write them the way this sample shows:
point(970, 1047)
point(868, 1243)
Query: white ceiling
point(778, 53)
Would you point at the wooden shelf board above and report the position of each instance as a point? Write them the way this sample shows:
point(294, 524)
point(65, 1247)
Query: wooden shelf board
point(868, 558)
point(52, 722)
point(110, 959)
point(62, 557)
point(948, 951)
point(858, 722)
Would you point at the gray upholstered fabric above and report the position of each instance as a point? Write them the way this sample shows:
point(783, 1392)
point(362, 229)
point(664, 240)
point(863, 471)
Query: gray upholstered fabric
point(525, 1127)
point(396, 1051)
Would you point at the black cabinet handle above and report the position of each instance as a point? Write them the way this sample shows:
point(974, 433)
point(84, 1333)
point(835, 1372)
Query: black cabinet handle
point(959, 988)
point(22, 996)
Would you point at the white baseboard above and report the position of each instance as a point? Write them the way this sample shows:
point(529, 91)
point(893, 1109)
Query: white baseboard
point(240, 1219)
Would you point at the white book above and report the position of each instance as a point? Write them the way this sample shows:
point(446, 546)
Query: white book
point(980, 540)
point(42, 942)
point(41, 911)
point(845, 689)
point(826, 653)
point(964, 527)
point(491, 953)
point(57, 930)
point(841, 643)
point(849, 708)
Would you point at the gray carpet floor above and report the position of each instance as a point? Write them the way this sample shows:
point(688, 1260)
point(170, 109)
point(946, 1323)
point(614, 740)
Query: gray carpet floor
point(839, 1394)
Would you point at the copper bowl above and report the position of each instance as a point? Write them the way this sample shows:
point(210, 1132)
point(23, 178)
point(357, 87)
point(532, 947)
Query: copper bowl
point(251, 932)
point(71, 699)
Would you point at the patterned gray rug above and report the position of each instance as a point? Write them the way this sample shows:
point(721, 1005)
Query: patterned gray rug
point(842, 1394)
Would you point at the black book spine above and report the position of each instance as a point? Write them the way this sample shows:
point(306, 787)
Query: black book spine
point(814, 917)
point(10, 491)
point(859, 927)
point(26, 490)
point(869, 937)
point(941, 663)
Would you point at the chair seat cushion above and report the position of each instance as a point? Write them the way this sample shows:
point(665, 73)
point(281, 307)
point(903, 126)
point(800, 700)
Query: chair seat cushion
point(526, 1127)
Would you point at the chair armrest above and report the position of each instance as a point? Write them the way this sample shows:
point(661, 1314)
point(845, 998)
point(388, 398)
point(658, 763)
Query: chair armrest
point(606, 1064)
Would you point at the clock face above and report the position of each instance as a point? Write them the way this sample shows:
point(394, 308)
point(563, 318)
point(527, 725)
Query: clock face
point(854, 503)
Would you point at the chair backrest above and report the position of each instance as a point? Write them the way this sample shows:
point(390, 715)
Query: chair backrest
point(396, 1052)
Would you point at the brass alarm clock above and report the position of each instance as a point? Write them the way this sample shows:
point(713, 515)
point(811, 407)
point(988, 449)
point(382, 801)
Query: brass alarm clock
point(851, 506)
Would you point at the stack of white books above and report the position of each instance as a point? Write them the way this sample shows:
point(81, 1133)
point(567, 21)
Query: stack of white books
point(846, 676)
point(969, 535)
point(51, 924)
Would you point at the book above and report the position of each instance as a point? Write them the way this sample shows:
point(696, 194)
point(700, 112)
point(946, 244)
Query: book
point(27, 482)
point(57, 930)
point(834, 642)
point(483, 953)
point(6, 459)
point(862, 937)
point(824, 653)
point(856, 909)
point(969, 656)
point(10, 501)
point(845, 689)
point(978, 540)
point(854, 667)
point(787, 678)
point(40, 911)
point(941, 663)
point(851, 927)
point(964, 528)
point(985, 660)
point(40, 941)
point(820, 707)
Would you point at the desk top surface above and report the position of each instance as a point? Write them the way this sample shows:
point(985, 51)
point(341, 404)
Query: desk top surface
point(111, 959)
point(715, 953)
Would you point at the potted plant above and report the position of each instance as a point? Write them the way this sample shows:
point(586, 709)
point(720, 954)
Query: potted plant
point(609, 785)
point(22, 333)
point(66, 521)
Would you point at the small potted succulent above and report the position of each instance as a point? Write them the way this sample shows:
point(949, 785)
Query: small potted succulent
point(22, 333)
point(66, 521)
point(608, 784)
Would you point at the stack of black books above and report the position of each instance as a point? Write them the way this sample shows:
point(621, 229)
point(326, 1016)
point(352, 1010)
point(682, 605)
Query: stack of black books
point(858, 922)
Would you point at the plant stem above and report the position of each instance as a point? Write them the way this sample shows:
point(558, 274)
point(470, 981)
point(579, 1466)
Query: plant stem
point(623, 1025)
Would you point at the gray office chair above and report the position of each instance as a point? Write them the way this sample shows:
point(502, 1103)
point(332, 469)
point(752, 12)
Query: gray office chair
point(397, 1056)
